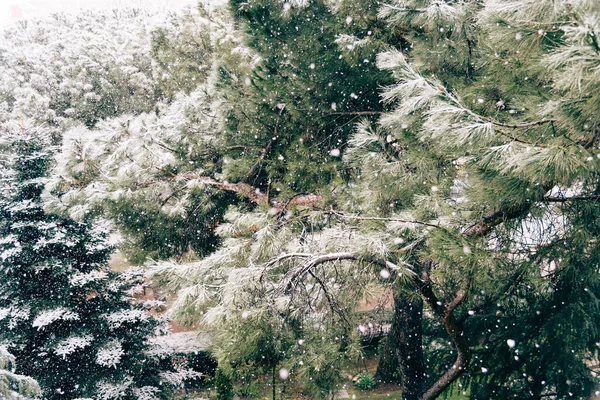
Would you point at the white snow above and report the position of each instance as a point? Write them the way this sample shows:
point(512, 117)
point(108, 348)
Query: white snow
point(110, 354)
point(46, 318)
point(72, 344)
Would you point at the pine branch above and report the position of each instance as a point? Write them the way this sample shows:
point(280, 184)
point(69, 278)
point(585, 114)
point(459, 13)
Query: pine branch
point(243, 189)
point(299, 272)
point(459, 297)
point(495, 218)
point(522, 124)
point(356, 113)
point(473, 114)
point(333, 304)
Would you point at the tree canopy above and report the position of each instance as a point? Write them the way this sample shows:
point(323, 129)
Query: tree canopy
point(274, 163)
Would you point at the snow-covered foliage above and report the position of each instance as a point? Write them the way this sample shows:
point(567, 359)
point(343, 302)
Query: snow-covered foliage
point(59, 300)
point(158, 162)
point(178, 378)
point(110, 391)
point(109, 355)
point(84, 67)
point(48, 317)
point(226, 143)
point(119, 318)
point(72, 344)
point(145, 157)
point(14, 386)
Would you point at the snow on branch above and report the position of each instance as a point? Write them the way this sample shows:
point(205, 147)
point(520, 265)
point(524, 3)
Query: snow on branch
point(72, 344)
point(110, 354)
point(46, 318)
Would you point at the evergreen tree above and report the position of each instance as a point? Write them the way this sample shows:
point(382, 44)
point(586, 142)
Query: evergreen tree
point(502, 164)
point(470, 188)
point(71, 322)
point(475, 196)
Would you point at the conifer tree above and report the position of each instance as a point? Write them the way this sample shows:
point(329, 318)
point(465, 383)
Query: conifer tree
point(71, 322)
point(470, 188)
point(467, 196)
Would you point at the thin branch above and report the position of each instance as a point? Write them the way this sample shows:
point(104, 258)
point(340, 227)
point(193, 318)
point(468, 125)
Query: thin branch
point(553, 199)
point(297, 273)
point(342, 215)
point(495, 218)
point(164, 146)
point(454, 329)
point(273, 263)
point(356, 113)
point(265, 152)
point(332, 303)
point(410, 247)
point(522, 124)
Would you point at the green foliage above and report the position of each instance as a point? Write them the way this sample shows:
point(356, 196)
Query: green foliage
point(183, 54)
point(250, 390)
point(298, 102)
point(472, 176)
point(223, 385)
point(365, 381)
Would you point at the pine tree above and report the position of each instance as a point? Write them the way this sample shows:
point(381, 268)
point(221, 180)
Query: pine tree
point(496, 169)
point(475, 196)
point(470, 188)
point(71, 322)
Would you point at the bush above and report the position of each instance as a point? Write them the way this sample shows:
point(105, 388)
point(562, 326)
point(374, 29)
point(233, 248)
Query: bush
point(223, 385)
point(249, 390)
point(365, 381)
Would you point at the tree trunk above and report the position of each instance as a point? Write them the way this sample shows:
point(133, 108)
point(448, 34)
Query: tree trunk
point(402, 359)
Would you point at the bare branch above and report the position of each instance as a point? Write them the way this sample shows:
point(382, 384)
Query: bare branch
point(357, 113)
point(454, 329)
point(298, 273)
point(357, 217)
point(522, 124)
point(553, 199)
point(495, 218)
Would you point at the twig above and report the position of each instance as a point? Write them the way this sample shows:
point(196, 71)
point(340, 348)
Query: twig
point(342, 215)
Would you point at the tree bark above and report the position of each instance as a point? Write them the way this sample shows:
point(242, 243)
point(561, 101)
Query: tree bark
point(402, 359)
point(454, 329)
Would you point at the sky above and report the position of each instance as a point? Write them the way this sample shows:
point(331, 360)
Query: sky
point(14, 10)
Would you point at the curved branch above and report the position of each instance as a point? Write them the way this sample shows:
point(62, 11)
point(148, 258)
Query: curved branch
point(298, 273)
point(454, 329)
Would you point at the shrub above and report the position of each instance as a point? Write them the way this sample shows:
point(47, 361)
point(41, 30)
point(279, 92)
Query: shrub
point(365, 381)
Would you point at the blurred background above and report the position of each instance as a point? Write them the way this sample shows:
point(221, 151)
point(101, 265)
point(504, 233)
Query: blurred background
point(15, 10)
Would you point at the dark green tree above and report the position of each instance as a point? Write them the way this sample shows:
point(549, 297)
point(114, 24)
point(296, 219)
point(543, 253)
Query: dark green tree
point(71, 322)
